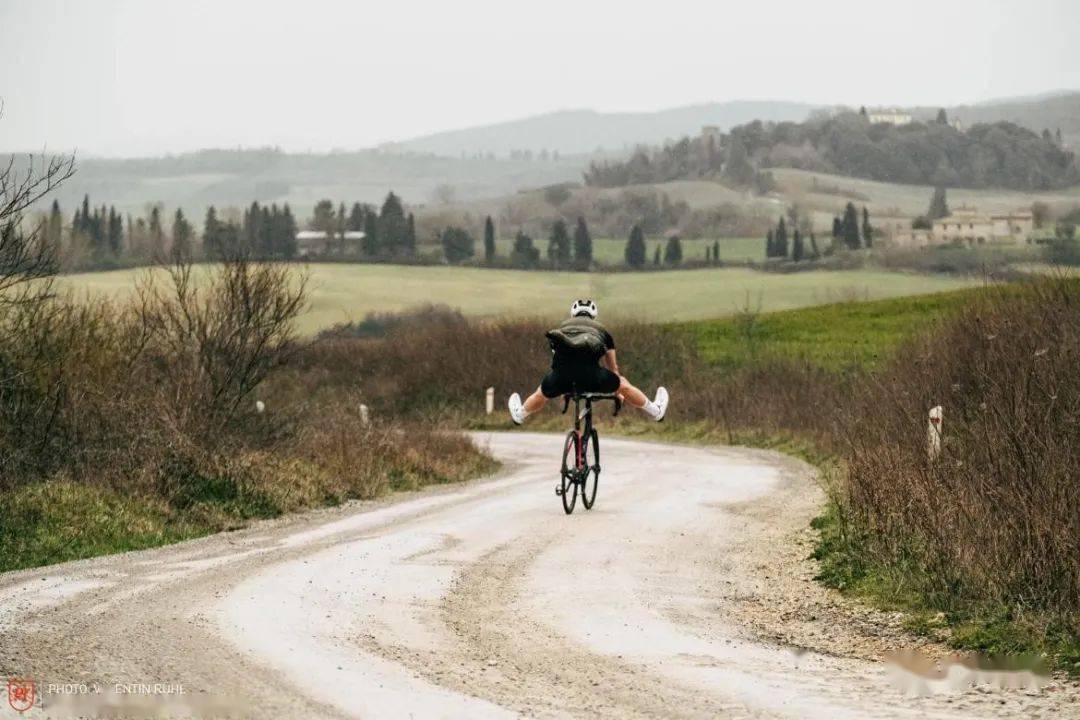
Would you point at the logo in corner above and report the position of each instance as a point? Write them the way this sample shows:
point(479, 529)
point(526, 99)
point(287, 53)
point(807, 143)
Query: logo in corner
point(21, 693)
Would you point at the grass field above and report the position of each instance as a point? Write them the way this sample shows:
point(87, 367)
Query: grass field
point(609, 251)
point(340, 292)
point(834, 336)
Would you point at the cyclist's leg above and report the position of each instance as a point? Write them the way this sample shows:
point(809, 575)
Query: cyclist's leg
point(535, 402)
point(551, 386)
point(631, 394)
point(654, 409)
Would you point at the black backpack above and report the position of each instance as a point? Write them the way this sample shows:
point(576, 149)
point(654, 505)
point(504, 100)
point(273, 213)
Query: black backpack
point(580, 342)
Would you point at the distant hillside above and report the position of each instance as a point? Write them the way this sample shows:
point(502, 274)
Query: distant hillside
point(585, 131)
point(237, 177)
point(985, 155)
point(1048, 111)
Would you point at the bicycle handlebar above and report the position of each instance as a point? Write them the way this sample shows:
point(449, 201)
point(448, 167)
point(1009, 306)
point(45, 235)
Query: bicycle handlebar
point(592, 396)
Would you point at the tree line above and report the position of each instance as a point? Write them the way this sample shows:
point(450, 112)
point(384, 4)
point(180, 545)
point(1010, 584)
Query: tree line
point(389, 232)
point(792, 239)
point(565, 250)
point(1000, 154)
point(100, 237)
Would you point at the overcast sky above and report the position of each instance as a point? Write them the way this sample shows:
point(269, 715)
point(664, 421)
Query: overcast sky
point(130, 77)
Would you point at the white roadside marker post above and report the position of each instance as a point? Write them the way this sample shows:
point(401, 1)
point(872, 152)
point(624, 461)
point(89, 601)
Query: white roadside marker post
point(259, 406)
point(933, 433)
point(365, 415)
point(489, 400)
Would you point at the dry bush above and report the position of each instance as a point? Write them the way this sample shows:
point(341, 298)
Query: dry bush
point(367, 458)
point(209, 347)
point(772, 396)
point(995, 519)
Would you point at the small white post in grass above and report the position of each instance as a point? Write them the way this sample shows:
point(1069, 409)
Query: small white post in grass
point(259, 406)
point(489, 400)
point(365, 415)
point(933, 433)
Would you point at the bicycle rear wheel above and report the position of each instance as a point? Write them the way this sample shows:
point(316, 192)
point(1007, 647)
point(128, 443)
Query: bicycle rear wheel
point(569, 472)
point(591, 473)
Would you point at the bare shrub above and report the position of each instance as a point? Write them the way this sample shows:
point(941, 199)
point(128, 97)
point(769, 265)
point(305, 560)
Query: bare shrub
point(210, 346)
point(25, 255)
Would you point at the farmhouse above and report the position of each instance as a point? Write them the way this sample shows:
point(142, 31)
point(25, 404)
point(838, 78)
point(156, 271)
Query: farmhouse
point(319, 242)
point(966, 226)
point(892, 116)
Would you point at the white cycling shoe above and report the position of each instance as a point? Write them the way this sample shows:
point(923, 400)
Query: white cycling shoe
point(517, 410)
point(661, 402)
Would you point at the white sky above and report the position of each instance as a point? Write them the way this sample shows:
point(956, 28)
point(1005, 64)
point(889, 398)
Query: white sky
point(128, 77)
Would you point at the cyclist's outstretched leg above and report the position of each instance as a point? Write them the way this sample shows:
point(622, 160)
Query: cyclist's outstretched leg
point(656, 409)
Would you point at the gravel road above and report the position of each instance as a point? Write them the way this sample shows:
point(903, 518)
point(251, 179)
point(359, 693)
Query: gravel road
point(684, 593)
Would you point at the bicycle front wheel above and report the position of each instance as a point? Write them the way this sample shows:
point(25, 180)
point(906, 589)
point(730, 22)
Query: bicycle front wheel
point(591, 473)
point(569, 472)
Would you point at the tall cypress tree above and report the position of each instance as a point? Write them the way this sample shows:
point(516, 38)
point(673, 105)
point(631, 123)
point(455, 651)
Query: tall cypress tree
point(635, 248)
point(583, 246)
point(250, 230)
point(287, 242)
point(391, 225)
point(559, 245)
point(796, 246)
point(849, 227)
point(939, 204)
point(781, 239)
point(673, 251)
point(408, 245)
point(489, 240)
point(157, 235)
point(716, 251)
point(212, 247)
point(54, 232)
point(115, 232)
point(97, 233)
point(83, 225)
point(813, 247)
point(181, 236)
point(356, 218)
point(656, 256)
point(264, 238)
point(867, 229)
point(371, 235)
point(770, 244)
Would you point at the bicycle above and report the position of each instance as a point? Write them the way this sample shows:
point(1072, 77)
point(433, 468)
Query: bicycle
point(576, 450)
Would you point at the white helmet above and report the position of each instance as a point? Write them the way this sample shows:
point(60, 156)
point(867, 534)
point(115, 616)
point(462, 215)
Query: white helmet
point(583, 307)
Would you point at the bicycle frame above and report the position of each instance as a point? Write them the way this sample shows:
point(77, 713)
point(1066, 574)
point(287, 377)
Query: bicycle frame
point(584, 417)
point(576, 478)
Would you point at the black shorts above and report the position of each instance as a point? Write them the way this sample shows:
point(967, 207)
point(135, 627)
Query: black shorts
point(594, 379)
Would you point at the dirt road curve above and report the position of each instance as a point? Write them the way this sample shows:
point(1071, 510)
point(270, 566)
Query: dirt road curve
point(476, 601)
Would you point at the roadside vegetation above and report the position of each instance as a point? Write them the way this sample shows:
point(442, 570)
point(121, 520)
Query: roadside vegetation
point(133, 423)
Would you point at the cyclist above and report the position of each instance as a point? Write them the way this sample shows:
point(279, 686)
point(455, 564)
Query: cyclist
point(583, 360)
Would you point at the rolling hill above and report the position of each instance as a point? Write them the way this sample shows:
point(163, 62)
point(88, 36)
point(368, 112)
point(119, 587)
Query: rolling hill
point(586, 131)
point(1038, 112)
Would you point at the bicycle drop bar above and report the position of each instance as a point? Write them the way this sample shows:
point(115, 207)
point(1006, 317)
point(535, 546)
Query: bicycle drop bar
point(590, 396)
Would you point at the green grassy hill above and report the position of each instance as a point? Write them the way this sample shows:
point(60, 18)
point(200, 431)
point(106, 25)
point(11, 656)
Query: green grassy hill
point(835, 336)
